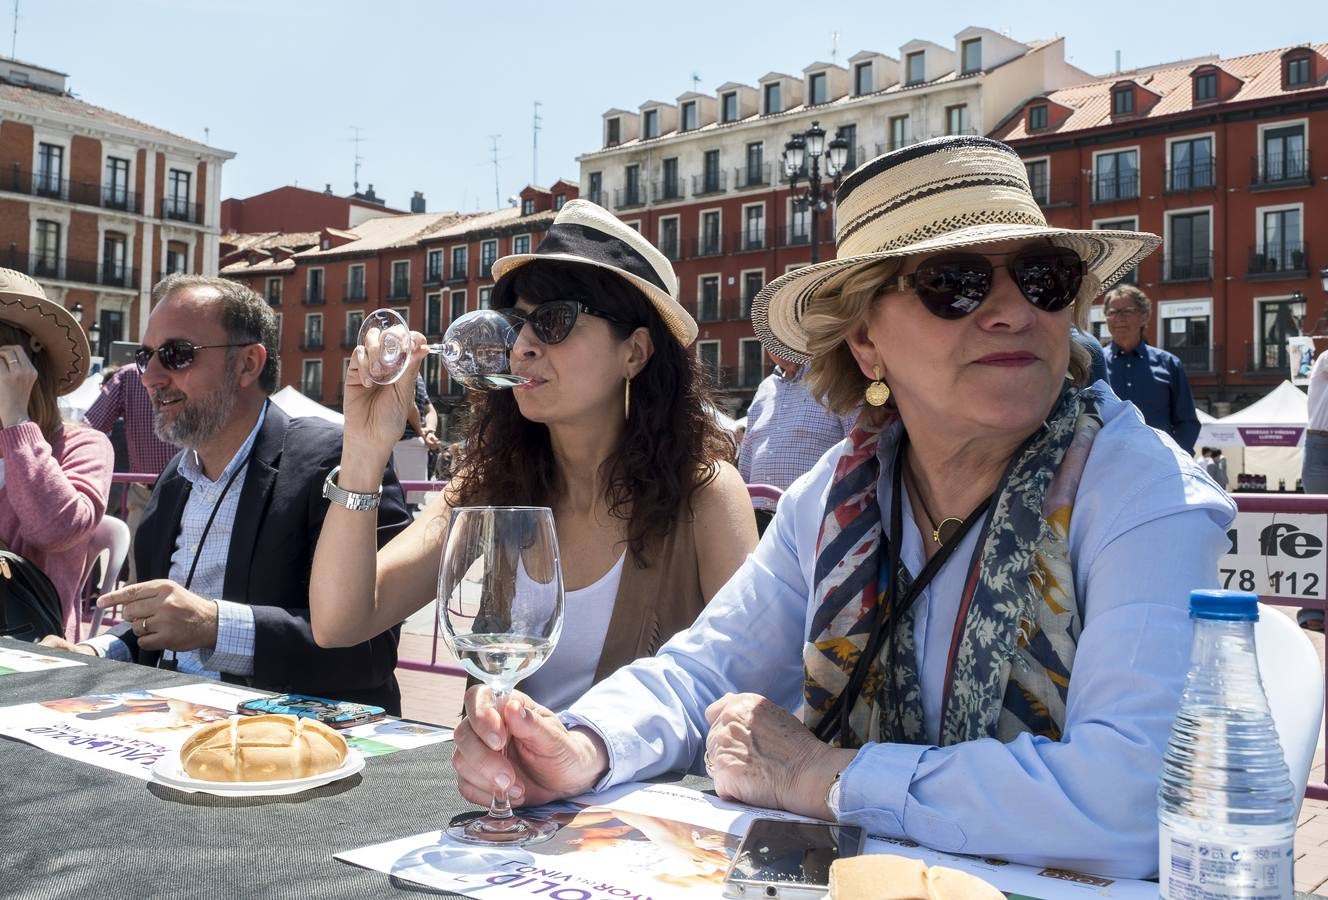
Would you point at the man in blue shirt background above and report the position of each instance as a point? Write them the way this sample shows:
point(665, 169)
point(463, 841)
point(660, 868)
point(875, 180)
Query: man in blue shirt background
point(1152, 379)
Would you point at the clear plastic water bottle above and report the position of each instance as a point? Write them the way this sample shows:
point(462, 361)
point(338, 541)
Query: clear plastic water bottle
point(1226, 806)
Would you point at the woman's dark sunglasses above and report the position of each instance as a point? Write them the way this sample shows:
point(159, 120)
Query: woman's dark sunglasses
point(176, 354)
point(955, 284)
point(552, 322)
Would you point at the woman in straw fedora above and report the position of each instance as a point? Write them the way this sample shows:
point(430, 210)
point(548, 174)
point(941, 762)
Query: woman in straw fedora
point(55, 477)
point(961, 627)
point(610, 432)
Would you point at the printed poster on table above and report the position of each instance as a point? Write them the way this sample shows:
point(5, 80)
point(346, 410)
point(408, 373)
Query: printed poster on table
point(129, 731)
point(662, 842)
point(13, 661)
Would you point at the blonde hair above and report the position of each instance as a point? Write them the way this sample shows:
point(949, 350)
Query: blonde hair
point(834, 376)
point(42, 407)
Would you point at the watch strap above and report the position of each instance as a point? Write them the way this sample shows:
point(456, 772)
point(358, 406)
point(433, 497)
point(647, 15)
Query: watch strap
point(352, 500)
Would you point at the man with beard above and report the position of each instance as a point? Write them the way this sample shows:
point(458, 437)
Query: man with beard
point(228, 537)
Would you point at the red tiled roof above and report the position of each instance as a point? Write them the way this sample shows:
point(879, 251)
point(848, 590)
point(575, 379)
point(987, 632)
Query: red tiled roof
point(1260, 74)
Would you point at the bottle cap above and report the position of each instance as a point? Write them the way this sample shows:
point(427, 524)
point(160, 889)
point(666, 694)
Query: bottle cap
point(1227, 606)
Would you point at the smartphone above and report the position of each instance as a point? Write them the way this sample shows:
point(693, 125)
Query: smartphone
point(332, 713)
point(789, 860)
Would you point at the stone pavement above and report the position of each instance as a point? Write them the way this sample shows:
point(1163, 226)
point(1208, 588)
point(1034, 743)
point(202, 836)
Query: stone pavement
point(437, 699)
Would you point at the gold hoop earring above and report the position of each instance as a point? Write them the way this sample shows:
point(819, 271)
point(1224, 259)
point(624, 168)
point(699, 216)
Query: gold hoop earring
point(878, 391)
point(627, 400)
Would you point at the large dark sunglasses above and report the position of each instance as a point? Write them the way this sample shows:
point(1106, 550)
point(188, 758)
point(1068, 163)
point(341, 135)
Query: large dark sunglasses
point(175, 354)
point(552, 322)
point(955, 284)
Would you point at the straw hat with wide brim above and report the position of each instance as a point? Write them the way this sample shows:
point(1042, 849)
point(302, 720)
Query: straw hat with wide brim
point(54, 330)
point(945, 194)
point(588, 234)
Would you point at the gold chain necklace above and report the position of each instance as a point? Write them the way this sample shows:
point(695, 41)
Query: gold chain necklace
point(940, 534)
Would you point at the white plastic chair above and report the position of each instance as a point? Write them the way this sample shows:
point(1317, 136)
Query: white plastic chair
point(1293, 681)
point(111, 537)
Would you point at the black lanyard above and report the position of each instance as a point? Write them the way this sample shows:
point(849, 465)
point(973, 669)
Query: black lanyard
point(169, 662)
point(889, 610)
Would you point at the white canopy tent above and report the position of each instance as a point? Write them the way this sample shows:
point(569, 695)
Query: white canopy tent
point(296, 405)
point(75, 404)
point(1265, 438)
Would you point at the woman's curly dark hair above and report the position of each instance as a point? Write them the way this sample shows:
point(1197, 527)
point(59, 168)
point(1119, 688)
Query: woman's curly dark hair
point(671, 444)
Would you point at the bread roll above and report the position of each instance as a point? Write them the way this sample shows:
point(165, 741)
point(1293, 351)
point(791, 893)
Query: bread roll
point(890, 877)
point(262, 748)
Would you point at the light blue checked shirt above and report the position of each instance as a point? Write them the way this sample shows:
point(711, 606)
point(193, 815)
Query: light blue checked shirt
point(234, 650)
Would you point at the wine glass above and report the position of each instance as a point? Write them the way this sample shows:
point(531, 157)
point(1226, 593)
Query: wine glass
point(475, 348)
point(500, 603)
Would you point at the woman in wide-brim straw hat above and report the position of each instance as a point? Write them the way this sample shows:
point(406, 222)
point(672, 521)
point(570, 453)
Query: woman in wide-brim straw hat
point(55, 477)
point(967, 624)
point(611, 432)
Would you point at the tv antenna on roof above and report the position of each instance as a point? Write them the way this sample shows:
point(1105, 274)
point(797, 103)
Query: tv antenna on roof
point(13, 43)
point(834, 48)
point(497, 194)
point(696, 81)
point(357, 139)
point(534, 145)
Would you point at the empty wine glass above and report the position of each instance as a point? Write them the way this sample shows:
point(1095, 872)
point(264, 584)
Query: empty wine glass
point(475, 348)
point(500, 603)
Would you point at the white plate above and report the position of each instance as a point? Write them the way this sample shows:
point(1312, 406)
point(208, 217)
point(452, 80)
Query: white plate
point(170, 772)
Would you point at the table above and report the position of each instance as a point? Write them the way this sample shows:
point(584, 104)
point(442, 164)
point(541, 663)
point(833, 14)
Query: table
point(73, 830)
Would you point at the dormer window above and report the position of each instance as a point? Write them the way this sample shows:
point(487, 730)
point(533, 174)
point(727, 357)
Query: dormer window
point(1037, 117)
point(728, 104)
point(527, 207)
point(1297, 71)
point(1205, 87)
point(817, 92)
point(915, 66)
point(971, 53)
point(862, 79)
point(1122, 101)
point(772, 100)
point(612, 133)
point(559, 200)
point(650, 124)
point(688, 116)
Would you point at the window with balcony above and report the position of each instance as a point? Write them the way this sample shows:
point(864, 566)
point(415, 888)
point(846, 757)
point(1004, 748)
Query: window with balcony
point(752, 282)
point(177, 194)
point(612, 132)
point(755, 156)
point(752, 362)
point(707, 306)
point(456, 302)
point(311, 379)
point(899, 132)
point(488, 253)
point(113, 255)
point(1284, 155)
point(459, 264)
point(915, 67)
point(486, 298)
point(1191, 164)
point(650, 124)
point(753, 227)
point(849, 133)
point(273, 291)
point(1131, 224)
point(772, 99)
point(1037, 117)
point(707, 354)
point(313, 332)
point(1116, 176)
point(400, 288)
point(1278, 320)
point(50, 170)
point(668, 237)
point(710, 172)
point(433, 313)
point(710, 242)
point(521, 243)
point(862, 79)
point(1039, 180)
point(1186, 330)
point(728, 106)
point(688, 116)
point(595, 188)
point(354, 321)
point(818, 90)
point(115, 191)
point(1298, 71)
point(971, 53)
point(799, 224)
point(177, 257)
point(313, 286)
point(528, 207)
point(1122, 101)
point(1282, 249)
point(1205, 87)
point(670, 187)
point(1189, 253)
point(956, 119)
point(404, 312)
point(433, 266)
point(631, 193)
point(355, 283)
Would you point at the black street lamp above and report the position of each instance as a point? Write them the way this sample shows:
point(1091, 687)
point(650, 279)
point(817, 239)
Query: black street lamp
point(809, 150)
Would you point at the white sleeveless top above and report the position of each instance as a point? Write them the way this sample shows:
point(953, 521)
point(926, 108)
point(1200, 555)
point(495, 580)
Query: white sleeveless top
point(570, 670)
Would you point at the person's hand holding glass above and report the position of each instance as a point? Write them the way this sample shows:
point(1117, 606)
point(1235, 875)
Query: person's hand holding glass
point(475, 348)
point(500, 603)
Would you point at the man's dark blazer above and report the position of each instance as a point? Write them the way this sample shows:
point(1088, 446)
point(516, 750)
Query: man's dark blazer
point(271, 553)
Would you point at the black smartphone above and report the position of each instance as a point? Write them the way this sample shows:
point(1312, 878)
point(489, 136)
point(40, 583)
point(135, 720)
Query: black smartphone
point(785, 860)
point(332, 713)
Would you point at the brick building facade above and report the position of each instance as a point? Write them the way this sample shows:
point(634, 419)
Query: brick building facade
point(97, 206)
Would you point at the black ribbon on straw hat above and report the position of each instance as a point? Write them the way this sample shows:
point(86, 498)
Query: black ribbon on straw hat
point(944, 194)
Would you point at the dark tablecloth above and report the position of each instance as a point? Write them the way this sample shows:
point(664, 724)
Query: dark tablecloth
point(68, 829)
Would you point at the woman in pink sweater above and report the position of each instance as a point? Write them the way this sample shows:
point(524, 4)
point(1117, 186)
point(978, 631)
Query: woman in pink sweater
point(54, 477)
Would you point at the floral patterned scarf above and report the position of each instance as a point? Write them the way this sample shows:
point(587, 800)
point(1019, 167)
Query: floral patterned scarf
point(1019, 622)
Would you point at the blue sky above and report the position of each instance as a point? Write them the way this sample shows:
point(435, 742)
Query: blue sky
point(282, 83)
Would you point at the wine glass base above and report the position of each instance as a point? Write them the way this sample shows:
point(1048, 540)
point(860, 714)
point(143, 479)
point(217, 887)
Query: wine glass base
point(514, 831)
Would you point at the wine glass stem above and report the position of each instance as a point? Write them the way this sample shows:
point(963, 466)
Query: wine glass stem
point(499, 806)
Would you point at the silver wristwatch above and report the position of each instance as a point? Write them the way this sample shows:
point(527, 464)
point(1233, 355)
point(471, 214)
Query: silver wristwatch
point(349, 499)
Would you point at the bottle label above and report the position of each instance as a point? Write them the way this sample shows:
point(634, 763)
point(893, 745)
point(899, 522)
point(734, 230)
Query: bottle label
point(1193, 867)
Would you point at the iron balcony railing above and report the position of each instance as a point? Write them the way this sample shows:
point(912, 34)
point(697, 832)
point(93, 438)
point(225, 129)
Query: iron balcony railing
point(705, 245)
point(486, 267)
point(311, 342)
point(1195, 359)
point(180, 210)
point(1187, 267)
point(800, 235)
point(274, 298)
point(667, 189)
point(314, 295)
point(718, 309)
point(752, 176)
point(433, 276)
point(671, 247)
point(90, 193)
point(58, 268)
point(1196, 176)
point(356, 294)
point(750, 238)
point(350, 341)
point(1284, 259)
point(625, 197)
point(1273, 170)
point(1055, 192)
point(713, 182)
point(731, 378)
point(399, 290)
point(458, 275)
point(1123, 186)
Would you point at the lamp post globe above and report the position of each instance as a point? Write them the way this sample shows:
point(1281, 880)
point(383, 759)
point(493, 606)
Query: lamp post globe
point(808, 154)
